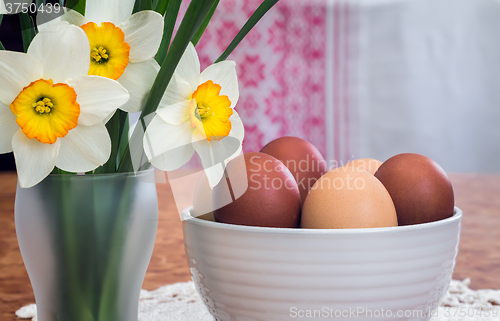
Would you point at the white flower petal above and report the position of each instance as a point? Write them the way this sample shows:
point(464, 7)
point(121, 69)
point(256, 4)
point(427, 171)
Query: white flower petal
point(236, 154)
point(237, 128)
point(214, 174)
point(224, 74)
point(175, 114)
point(98, 97)
point(108, 118)
point(8, 128)
point(168, 147)
point(143, 32)
point(178, 90)
point(34, 160)
point(189, 67)
point(45, 19)
point(138, 79)
point(215, 152)
point(74, 17)
point(175, 102)
point(115, 11)
point(63, 49)
point(17, 70)
point(84, 148)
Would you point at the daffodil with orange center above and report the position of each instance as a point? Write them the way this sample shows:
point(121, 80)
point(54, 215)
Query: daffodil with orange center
point(122, 44)
point(51, 112)
point(197, 114)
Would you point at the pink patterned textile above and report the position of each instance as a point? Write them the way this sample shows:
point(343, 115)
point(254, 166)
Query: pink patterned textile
point(295, 71)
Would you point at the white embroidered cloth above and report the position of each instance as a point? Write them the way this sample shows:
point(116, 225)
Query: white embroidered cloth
point(181, 302)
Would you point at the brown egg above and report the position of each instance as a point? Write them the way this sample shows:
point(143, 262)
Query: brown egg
point(368, 164)
point(263, 192)
point(348, 198)
point(419, 187)
point(302, 159)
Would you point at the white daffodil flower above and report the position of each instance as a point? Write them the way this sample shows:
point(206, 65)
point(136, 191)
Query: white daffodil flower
point(51, 111)
point(122, 45)
point(196, 113)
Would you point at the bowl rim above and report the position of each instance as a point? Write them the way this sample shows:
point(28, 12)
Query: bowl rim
point(186, 216)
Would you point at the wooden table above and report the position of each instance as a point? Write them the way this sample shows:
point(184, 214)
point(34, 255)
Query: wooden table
point(478, 195)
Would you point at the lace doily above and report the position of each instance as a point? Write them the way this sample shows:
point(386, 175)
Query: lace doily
point(181, 302)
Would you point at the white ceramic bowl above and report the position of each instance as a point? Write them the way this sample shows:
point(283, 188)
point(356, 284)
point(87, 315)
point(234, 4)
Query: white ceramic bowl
point(246, 273)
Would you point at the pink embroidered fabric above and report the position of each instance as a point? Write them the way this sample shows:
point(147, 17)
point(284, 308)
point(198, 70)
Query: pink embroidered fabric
point(293, 70)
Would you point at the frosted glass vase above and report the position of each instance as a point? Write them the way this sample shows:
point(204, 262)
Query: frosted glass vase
point(86, 242)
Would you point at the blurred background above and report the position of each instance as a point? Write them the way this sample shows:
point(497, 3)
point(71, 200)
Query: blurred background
point(364, 78)
point(370, 78)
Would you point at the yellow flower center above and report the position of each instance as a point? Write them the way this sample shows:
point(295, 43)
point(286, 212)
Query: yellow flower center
point(43, 106)
point(46, 111)
point(109, 53)
point(99, 54)
point(210, 111)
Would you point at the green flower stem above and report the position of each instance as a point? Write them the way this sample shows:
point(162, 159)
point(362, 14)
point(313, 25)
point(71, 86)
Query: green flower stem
point(141, 5)
point(89, 248)
point(72, 292)
point(77, 5)
point(116, 127)
point(256, 16)
point(108, 308)
point(204, 25)
point(28, 31)
point(168, 29)
point(195, 14)
point(125, 126)
point(113, 127)
point(160, 6)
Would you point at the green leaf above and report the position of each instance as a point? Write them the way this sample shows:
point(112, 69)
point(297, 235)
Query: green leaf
point(195, 14)
point(256, 16)
point(124, 117)
point(113, 127)
point(161, 6)
point(77, 5)
point(204, 25)
point(168, 29)
point(141, 5)
point(28, 30)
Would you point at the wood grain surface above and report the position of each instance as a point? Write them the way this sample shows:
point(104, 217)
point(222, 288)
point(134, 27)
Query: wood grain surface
point(479, 257)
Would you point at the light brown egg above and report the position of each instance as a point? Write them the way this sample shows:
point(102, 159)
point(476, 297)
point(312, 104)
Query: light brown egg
point(348, 198)
point(367, 164)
